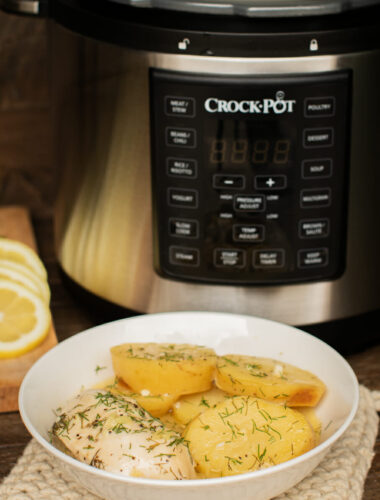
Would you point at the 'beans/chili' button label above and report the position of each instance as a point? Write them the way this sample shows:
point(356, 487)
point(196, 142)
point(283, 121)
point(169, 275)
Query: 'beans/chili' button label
point(181, 137)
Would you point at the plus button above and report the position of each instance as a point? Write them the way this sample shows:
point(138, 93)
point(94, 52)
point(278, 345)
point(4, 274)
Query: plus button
point(270, 182)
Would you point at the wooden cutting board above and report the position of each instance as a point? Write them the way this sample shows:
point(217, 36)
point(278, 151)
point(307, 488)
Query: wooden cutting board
point(15, 223)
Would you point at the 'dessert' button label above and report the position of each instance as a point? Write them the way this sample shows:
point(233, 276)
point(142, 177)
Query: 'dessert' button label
point(318, 137)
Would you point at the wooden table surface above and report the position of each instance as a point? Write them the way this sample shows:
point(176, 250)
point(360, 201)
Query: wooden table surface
point(71, 317)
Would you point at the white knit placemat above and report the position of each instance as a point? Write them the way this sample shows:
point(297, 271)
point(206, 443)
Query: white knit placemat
point(340, 476)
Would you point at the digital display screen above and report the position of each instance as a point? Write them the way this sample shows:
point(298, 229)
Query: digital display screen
point(248, 142)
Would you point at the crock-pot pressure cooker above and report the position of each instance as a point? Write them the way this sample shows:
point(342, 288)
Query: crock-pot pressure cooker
point(219, 154)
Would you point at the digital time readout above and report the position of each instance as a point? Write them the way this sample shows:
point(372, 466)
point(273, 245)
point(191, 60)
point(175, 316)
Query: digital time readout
point(233, 142)
point(258, 151)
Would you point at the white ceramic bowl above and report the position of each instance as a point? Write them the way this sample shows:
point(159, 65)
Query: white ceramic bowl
point(62, 372)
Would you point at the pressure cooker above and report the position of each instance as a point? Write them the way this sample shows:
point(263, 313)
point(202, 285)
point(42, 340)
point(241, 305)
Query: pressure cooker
point(218, 155)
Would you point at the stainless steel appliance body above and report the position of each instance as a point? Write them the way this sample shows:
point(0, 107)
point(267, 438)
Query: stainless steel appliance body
point(104, 210)
point(145, 195)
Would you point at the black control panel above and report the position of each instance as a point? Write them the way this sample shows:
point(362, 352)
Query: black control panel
point(250, 176)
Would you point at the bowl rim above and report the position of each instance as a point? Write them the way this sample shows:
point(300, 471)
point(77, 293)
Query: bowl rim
point(319, 449)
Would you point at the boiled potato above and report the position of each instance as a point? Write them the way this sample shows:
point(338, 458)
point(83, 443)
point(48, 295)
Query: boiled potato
point(171, 423)
point(156, 405)
point(164, 368)
point(313, 421)
point(268, 379)
point(190, 406)
point(243, 434)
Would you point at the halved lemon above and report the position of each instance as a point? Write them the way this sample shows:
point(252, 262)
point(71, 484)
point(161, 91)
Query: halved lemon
point(39, 284)
point(24, 319)
point(21, 253)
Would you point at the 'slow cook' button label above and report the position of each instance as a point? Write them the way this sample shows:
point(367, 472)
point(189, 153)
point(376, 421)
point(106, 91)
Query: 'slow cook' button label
point(184, 256)
point(317, 257)
point(183, 228)
point(181, 137)
point(249, 203)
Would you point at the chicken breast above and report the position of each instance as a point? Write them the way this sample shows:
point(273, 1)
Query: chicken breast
point(114, 433)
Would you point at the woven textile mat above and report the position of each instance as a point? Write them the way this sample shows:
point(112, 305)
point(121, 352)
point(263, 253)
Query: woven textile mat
point(340, 476)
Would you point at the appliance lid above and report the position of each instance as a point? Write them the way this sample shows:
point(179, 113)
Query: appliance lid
point(255, 8)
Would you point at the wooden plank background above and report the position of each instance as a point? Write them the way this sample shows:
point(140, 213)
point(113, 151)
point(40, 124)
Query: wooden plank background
point(26, 159)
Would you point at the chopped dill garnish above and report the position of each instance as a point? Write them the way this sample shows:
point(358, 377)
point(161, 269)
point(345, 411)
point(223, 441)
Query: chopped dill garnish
point(99, 368)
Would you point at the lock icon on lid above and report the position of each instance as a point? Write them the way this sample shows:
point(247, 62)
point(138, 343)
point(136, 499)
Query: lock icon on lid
point(182, 45)
point(313, 47)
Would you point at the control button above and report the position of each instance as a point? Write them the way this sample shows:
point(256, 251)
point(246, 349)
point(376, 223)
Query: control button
point(183, 228)
point(180, 106)
point(181, 167)
point(181, 137)
point(268, 259)
point(227, 257)
point(187, 198)
point(248, 233)
point(271, 182)
point(314, 228)
point(184, 256)
point(249, 203)
point(220, 181)
point(317, 257)
point(319, 106)
point(318, 137)
point(315, 198)
point(312, 169)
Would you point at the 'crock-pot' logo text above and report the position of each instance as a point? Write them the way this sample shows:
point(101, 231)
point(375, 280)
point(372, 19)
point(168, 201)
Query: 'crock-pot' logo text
point(263, 106)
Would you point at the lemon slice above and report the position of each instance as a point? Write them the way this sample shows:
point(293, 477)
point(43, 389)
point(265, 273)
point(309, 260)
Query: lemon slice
point(21, 253)
point(40, 285)
point(21, 279)
point(24, 319)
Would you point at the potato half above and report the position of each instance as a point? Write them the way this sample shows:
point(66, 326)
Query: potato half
point(268, 379)
point(190, 406)
point(164, 368)
point(243, 434)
